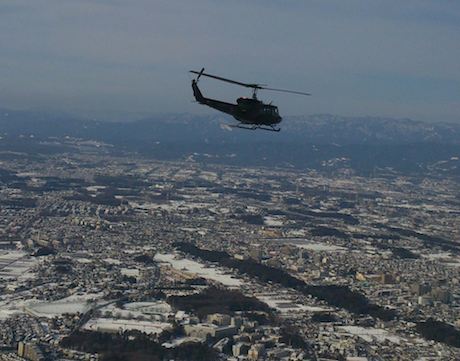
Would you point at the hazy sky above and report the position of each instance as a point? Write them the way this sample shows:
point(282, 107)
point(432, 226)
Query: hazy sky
point(114, 58)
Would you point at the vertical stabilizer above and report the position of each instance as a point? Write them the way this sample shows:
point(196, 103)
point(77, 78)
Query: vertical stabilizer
point(196, 92)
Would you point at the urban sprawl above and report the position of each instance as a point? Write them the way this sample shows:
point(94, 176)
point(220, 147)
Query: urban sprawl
point(108, 256)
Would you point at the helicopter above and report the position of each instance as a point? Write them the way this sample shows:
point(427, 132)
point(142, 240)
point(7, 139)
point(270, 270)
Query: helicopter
point(251, 113)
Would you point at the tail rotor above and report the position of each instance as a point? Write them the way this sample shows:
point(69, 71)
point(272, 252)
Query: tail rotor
point(199, 74)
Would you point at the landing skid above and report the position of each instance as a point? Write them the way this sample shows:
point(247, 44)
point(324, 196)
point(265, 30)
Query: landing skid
point(255, 127)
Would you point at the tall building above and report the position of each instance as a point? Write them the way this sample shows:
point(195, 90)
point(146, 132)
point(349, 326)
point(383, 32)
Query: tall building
point(30, 351)
point(256, 352)
point(421, 289)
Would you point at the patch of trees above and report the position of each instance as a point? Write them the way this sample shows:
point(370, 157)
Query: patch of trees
point(216, 300)
point(339, 296)
point(385, 237)
point(322, 231)
point(134, 346)
point(59, 184)
point(198, 182)
point(324, 318)
point(44, 251)
point(144, 259)
point(292, 201)
point(404, 253)
point(346, 204)
point(263, 272)
point(61, 268)
point(129, 279)
point(19, 203)
point(262, 318)
point(197, 281)
point(206, 254)
point(427, 239)
point(352, 301)
point(440, 332)
point(276, 212)
point(62, 261)
point(255, 219)
point(259, 196)
point(290, 335)
point(399, 252)
point(10, 178)
point(176, 331)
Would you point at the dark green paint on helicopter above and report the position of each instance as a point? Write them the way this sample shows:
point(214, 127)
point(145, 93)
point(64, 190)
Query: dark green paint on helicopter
point(251, 113)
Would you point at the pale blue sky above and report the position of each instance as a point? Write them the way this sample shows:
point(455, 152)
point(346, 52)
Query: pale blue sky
point(124, 59)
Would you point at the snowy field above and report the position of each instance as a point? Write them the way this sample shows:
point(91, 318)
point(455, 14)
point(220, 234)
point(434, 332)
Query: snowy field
point(16, 265)
point(170, 206)
point(312, 246)
point(370, 334)
point(284, 304)
point(158, 307)
point(130, 272)
point(318, 246)
point(78, 303)
point(198, 269)
point(114, 325)
point(158, 311)
point(274, 221)
point(10, 307)
point(112, 261)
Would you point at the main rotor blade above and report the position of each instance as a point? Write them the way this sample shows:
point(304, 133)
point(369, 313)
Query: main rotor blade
point(284, 91)
point(248, 85)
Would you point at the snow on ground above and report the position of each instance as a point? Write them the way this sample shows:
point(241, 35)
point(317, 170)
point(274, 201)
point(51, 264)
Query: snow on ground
point(370, 334)
point(52, 309)
point(140, 310)
point(198, 269)
point(149, 307)
point(310, 245)
point(113, 325)
point(16, 265)
point(10, 307)
point(437, 256)
point(77, 303)
point(452, 264)
point(181, 340)
point(170, 206)
point(318, 246)
point(284, 304)
point(112, 261)
point(273, 221)
point(82, 297)
point(95, 188)
point(130, 272)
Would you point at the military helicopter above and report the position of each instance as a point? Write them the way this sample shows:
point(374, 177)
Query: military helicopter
point(251, 113)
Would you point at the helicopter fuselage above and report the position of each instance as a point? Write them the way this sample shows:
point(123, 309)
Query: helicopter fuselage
point(249, 111)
